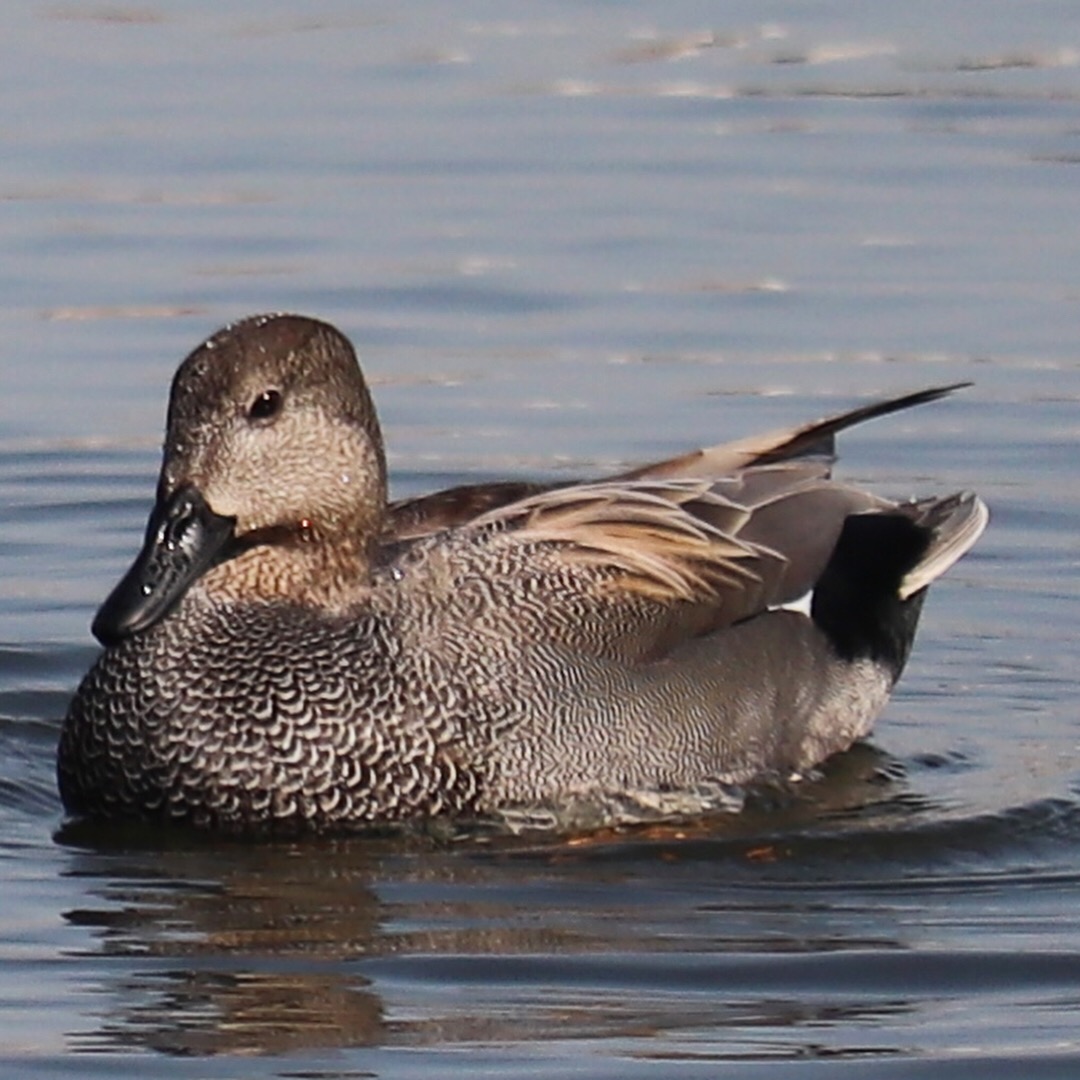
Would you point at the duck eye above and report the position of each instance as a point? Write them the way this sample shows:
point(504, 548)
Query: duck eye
point(266, 406)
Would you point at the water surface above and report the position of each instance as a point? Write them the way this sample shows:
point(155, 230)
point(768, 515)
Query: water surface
point(564, 238)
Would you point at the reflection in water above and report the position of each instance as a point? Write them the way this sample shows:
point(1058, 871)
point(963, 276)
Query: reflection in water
point(551, 232)
point(234, 950)
point(284, 951)
point(208, 948)
point(203, 1013)
point(784, 932)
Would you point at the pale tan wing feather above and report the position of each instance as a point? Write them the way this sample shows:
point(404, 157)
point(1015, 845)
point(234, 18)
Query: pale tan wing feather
point(668, 560)
point(684, 546)
point(811, 445)
point(672, 542)
point(737, 546)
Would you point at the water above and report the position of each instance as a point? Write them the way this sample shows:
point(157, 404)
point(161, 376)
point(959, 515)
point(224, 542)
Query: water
point(564, 237)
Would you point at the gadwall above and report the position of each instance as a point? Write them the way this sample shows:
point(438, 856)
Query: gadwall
point(290, 652)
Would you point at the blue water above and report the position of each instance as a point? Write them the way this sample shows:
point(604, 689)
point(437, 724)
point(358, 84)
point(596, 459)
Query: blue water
point(564, 238)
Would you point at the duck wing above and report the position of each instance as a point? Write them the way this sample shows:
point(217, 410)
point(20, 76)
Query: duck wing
point(424, 515)
point(631, 569)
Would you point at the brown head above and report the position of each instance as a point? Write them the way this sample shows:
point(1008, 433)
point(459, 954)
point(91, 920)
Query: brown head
point(273, 483)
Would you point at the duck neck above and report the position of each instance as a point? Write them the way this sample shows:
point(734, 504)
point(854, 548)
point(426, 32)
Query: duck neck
point(301, 567)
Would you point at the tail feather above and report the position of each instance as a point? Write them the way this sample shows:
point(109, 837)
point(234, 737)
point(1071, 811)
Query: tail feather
point(818, 439)
point(955, 523)
point(812, 446)
point(870, 595)
point(815, 441)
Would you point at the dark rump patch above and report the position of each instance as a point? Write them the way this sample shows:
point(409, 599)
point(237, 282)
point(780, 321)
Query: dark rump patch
point(857, 600)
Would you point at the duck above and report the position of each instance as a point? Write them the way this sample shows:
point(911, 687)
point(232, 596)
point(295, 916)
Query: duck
point(292, 652)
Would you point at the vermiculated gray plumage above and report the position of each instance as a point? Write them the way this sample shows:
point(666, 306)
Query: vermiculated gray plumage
point(290, 652)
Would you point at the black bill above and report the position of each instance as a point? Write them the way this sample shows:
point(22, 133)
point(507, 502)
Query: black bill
point(184, 538)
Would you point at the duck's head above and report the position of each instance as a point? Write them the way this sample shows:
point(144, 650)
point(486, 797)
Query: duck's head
point(274, 475)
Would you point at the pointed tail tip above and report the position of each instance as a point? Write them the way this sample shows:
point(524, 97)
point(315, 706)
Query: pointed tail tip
point(931, 393)
point(818, 438)
point(885, 406)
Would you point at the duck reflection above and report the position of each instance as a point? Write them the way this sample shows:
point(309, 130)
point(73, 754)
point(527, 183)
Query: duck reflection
point(206, 948)
point(234, 950)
